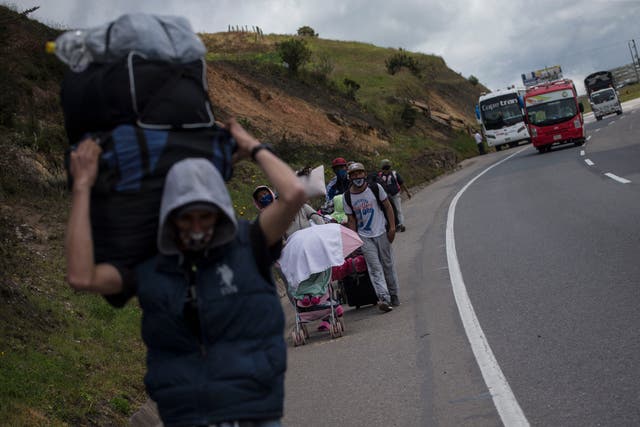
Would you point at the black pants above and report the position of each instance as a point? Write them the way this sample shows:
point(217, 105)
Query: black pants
point(481, 148)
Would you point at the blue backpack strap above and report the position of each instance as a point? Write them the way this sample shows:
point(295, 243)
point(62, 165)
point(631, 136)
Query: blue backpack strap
point(144, 151)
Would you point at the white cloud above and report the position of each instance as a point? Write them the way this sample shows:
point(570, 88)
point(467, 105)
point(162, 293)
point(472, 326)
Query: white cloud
point(495, 40)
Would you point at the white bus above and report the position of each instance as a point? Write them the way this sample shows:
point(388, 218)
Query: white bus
point(502, 118)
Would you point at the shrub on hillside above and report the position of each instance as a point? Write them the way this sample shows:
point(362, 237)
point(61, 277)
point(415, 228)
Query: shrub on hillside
point(323, 64)
point(352, 88)
point(307, 31)
point(295, 53)
point(473, 80)
point(408, 116)
point(402, 59)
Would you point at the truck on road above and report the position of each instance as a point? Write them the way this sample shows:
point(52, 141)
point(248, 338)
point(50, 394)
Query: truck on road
point(502, 118)
point(602, 94)
point(554, 115)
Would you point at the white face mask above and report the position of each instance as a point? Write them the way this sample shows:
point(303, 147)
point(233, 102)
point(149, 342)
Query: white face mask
point(358, 182)
point(196, 241)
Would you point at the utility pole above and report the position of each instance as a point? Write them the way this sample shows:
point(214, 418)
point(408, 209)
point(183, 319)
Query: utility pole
point(635, 62)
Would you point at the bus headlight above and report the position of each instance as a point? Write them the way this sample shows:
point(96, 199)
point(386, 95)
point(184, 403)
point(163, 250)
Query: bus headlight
point(521, 129)
point(534, 132)
point(577, 123)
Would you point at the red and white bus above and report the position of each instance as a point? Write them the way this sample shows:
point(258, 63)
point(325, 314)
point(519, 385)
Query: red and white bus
point(554, 115)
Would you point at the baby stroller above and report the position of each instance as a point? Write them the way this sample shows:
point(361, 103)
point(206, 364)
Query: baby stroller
point(313, 301)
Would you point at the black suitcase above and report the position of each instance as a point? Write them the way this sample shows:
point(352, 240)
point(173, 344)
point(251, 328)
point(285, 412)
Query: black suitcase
point(358, 290)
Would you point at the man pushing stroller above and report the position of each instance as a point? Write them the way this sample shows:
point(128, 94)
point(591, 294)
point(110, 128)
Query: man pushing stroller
point(371, 215)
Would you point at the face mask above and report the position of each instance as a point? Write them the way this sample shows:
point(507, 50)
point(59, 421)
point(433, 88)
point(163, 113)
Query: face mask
point(386, 168)
point(358, 182)
point(196, 241)
point(341, 173)
point(265, 200)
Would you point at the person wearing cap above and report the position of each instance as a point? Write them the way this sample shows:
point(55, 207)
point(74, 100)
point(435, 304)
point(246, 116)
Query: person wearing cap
point(212, 319)
point(369, 212)
point(262, 197)
point(392, 183)
point(340, 182)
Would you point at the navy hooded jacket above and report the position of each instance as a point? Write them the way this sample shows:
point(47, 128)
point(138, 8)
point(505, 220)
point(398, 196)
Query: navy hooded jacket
point(230, 364)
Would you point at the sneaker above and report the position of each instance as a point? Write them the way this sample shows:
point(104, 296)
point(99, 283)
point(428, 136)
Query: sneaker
point(384, 306)
point(395, 301)
point(401, 228)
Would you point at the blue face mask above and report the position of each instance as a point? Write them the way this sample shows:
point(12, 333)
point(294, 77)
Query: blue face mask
point(265, 200)
point(341, 173)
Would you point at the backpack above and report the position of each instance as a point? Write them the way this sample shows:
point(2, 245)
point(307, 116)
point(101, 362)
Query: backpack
point(134, 90)
point(390, 185)
point(125, 199)
point(372, 182)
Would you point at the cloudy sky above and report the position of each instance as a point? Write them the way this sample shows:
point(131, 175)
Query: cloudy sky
point(495, 40)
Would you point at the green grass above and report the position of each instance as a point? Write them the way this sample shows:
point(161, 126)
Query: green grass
point(629, 92)
point(66, 358)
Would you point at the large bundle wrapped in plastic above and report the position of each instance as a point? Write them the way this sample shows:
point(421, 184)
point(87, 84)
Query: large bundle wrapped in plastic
point(164, 38)
point(138, 84)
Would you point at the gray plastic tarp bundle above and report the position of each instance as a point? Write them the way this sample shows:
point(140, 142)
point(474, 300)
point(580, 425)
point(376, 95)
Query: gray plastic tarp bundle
point(165, 38)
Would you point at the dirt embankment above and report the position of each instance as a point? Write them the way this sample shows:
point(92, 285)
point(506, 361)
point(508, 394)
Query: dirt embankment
point(277, 112)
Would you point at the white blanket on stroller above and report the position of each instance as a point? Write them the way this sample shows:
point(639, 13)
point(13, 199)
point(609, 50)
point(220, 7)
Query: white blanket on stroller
point(311, 250)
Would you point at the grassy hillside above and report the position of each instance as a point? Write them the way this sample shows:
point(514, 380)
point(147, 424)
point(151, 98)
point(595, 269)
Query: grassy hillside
point(365, 64)
point(69, 359)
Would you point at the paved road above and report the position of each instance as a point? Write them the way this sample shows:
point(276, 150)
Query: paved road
point(549, 249)
point(547, 246)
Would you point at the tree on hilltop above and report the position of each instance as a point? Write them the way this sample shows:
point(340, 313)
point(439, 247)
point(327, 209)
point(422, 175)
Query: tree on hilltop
point(307, 31)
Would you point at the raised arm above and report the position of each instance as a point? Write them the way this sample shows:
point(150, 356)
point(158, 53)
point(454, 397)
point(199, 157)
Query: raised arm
point(82, 272)
point(275, 218)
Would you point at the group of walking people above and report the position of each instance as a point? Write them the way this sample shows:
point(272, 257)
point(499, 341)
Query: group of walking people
point(372, 205)
point(369, 204)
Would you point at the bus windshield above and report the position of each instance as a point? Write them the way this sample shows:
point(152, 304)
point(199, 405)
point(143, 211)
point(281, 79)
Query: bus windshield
point(500, 112)
point(553, 112)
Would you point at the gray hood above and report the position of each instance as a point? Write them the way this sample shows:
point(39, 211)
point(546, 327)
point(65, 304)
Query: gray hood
point(195, 180)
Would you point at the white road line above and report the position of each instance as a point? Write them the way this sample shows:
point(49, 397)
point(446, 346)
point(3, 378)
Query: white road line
point(582, 152)
point(597, 130)
point(501, 393)
point(589, 162)
point(589, 137)
point(611, 122)
point(617, 178)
